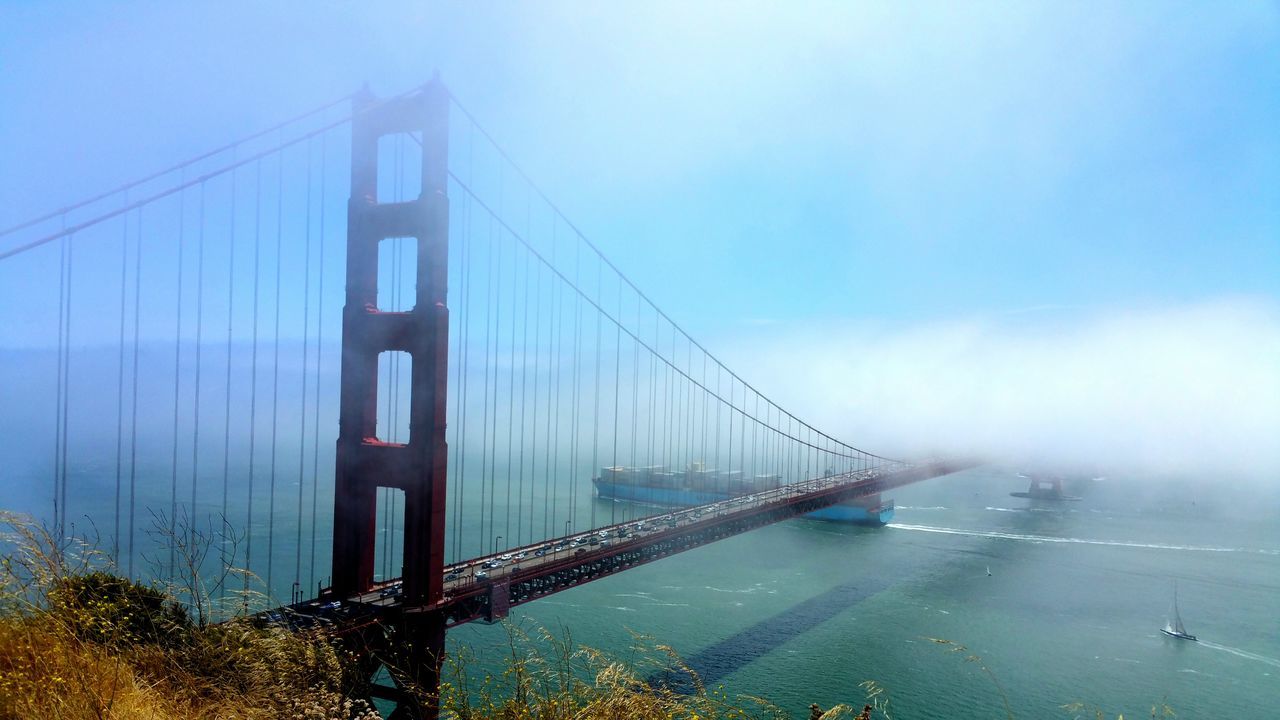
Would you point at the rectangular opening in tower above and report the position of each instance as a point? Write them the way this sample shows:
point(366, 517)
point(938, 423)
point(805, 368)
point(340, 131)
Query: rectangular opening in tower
point(399, 167)
point(388, 553)
point(395, 387)
point(397, 274)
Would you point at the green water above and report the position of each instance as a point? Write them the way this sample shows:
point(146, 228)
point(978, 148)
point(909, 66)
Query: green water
point(804, 611)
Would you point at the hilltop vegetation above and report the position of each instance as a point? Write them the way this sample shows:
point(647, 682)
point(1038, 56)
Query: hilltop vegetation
point(79, 642)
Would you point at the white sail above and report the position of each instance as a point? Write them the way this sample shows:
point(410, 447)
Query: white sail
point(1173, 624)
point(1177, 617)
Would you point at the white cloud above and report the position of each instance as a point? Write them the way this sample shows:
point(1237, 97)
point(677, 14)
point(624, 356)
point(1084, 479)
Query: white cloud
point(1192, 389)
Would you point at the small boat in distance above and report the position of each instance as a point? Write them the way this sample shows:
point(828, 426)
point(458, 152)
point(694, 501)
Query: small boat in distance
point(1174, 628)
point(1043, 488)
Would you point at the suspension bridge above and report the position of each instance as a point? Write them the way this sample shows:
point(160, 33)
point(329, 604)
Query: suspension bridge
point(378, 276)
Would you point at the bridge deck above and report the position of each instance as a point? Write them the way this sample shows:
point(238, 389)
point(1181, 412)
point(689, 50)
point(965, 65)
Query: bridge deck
point(485, 587)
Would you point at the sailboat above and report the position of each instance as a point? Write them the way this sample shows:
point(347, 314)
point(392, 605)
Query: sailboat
point(1175, 628)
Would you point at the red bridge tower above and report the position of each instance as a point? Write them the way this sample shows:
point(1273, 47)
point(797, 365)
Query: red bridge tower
point(364, 462)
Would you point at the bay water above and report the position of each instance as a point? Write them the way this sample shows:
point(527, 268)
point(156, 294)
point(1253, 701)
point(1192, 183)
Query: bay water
point(1071, 610)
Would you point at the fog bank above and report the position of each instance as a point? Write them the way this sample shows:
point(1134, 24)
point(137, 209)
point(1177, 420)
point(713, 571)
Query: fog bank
point(1193, 389)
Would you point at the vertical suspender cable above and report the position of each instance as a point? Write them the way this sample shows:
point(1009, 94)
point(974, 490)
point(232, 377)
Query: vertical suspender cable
point(577, 385)
point(635, 392)
point(691, 402)
point(57, 403)
point(719, 407)
point(511, 401)
point(742, 433)
point(524, 396)
point(67, 373)
point(302, 410)
point(682, 409)
point(677, 414)
point(315, 425)
point(755, 443)
point(226, 407)
point(652, 438)
point(788, 455)
point(706, 401)
point(550, 459)
point(595, 413)
point(124, 267)
point(729, 450)
point(133, 405)
point(765, 443)
point(572, 456)
point(537, 372)
point(650, 442)
point(617, 388)
point(669, 418)
point(386, 385)
point(775, 435)
point(663, 418)
point(275, 375)
point(66, 385)
point(495, 244)
point(511, 398)
point(484, 452)
point(195, 412)
point(177, 383)
point(253, 367)
point(464, 325)
point(553, 388)
point(460, 392)
point(668, 392)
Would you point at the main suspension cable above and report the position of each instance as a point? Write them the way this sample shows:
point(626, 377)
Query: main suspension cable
point(172, 168)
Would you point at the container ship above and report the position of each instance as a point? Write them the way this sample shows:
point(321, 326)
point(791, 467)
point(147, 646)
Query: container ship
point(699, 485)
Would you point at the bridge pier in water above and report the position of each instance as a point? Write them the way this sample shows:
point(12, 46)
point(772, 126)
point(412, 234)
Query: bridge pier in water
point(410, 644)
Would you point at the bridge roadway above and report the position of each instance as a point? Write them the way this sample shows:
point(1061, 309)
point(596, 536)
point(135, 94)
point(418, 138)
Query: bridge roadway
point(486, 587)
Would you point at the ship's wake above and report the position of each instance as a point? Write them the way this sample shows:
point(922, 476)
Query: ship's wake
point(1080, 541)
point(1242, 653)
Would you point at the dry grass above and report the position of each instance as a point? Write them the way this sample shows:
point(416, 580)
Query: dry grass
point(77, 642)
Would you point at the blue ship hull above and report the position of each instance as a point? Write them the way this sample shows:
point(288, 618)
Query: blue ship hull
point(683, 497)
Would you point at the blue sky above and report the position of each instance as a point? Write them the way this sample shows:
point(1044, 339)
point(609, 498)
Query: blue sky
point(801, 168)
point(818, 161)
